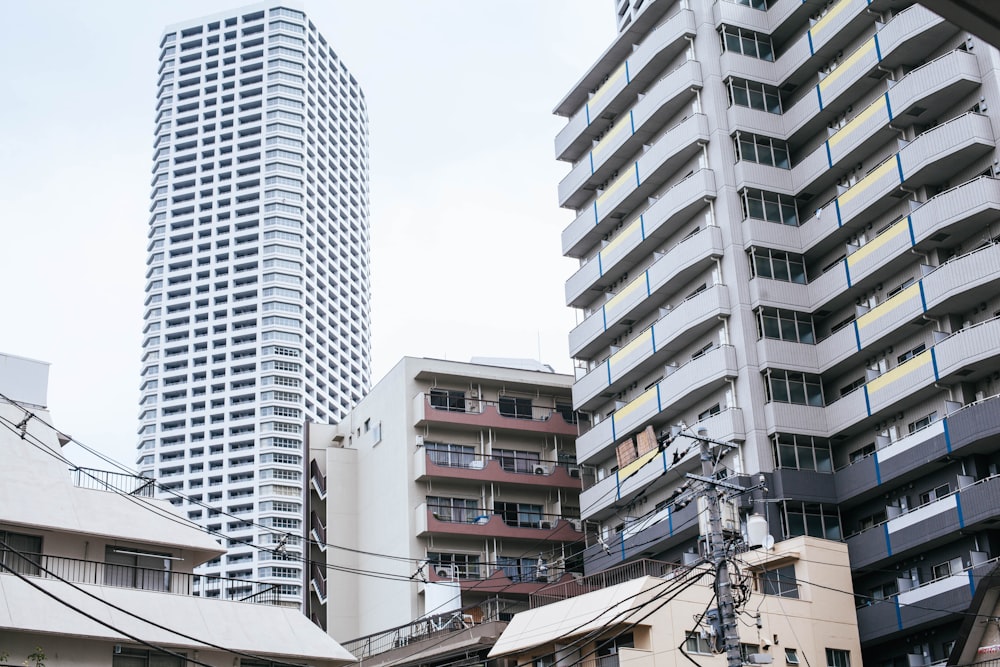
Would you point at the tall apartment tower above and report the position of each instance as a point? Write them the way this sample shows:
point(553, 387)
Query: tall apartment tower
point(787, 216)
point(257, 294)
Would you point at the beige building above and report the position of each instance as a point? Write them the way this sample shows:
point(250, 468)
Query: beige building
point(90, 563)
point(450, 487)
point(799, 611)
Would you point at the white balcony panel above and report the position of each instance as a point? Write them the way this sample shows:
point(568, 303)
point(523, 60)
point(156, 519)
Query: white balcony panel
point(948, 147)
point(920, 514)
point(595, 444)
point(845, 411)
point(918, 595)
point(790, 418)
point(968, 347)
point(974, 270)
point(910, 441)
point(903, 307)
point(958, 203)
point(901, 381)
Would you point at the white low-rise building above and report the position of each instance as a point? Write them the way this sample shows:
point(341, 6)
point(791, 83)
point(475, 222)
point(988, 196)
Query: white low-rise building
point(94, 571)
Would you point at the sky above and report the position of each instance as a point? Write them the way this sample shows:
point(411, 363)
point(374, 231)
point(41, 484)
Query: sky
point(465, 225)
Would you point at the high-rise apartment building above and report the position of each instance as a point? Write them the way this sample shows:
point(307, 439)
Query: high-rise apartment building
point(787, 222)
point(257, 294)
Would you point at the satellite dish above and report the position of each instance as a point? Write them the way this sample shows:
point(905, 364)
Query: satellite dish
point(769, 542)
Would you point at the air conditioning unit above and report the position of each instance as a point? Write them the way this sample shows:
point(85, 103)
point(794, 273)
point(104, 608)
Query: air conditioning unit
point(545, 525)
point(539, 469)
point(577, 525)
point(420, 441)
point(574, 471)
point(444, 571)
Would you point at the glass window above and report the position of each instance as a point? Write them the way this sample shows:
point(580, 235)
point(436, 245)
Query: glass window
point(447, 454)
point(136, 569)
point(836, 657)
point(454, 510)
point(813, 519)
point(448, 399)
point(769, 206)
point(30, 548)
point(754, 95)
point(513, 460)
point(791, 387)
point(516, 407)
point(747, 42)
point(777, 265)
point(802, 452)
point(785, 325)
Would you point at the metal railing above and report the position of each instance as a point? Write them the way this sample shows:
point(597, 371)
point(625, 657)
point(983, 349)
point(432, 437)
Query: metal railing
point(116, 482)
point(494, 609)
point(160, 580)
point(610, 577)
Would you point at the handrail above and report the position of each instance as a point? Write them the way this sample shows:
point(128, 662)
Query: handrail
point(995, 559)
point(158, 580)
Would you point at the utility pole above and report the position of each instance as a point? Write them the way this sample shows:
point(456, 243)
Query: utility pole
point(717, 553)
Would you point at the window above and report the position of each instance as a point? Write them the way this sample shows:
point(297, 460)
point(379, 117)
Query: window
point(566, 410)
point(29, 545)
point(923, 422)
point(523, 515)
point(857, 383)
point(780, 582)
point(936, 493)
point(812, 519)
point(941, 570)
point(697, 644)
point(872, 520)
point(836, 657)
point(513, 460)
point(789, 325)
point(769, 206)
point(453, 510)
point(747, 42)
point(131, 568)
point(129, 657)
point(516, 407)
point(802, 452)
point(884, 591)
point(782, 386)
point(909, 354)
point(862, 452)
point(777, 265)
point(791, 656)
point(746, 650)
point(753, 95)
point(448, 399)
point(447, 454)
point(762, 150)
point(519, 570)
point(463, 566)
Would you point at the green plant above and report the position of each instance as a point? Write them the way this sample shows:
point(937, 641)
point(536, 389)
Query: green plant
point(36, 658)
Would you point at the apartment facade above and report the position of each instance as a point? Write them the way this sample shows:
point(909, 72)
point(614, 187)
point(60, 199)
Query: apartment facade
point(257, 293)
point(453, 489)
point(92, 566)
point(787, 217)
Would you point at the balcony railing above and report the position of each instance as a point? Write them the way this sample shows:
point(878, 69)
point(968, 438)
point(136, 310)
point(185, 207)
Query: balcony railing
point(434, 626)
point(516, 465)
point(514, 409)
point(610, 577)
point(148, 579)
point(116, 482)
point(482, 515)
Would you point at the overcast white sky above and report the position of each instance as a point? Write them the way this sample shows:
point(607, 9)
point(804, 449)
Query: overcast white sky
point(465, 225)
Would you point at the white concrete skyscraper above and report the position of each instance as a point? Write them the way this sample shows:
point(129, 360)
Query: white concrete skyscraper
point(257, 294)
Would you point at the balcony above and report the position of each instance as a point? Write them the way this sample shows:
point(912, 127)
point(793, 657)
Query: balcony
point(679, 265)
point(911, 609)
point(652, 533)
point(434, 632)
point(678, 327)
point(482, 522)
point(682, 387)
point(647, 473)
point(923, 527)
point(615, 94)
point(636, 183)
point(652, 227)
point(962, 432)
point(619, 574)
point(626, 137)
point(491, 414)
point(484, 470)
point(147, 579)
